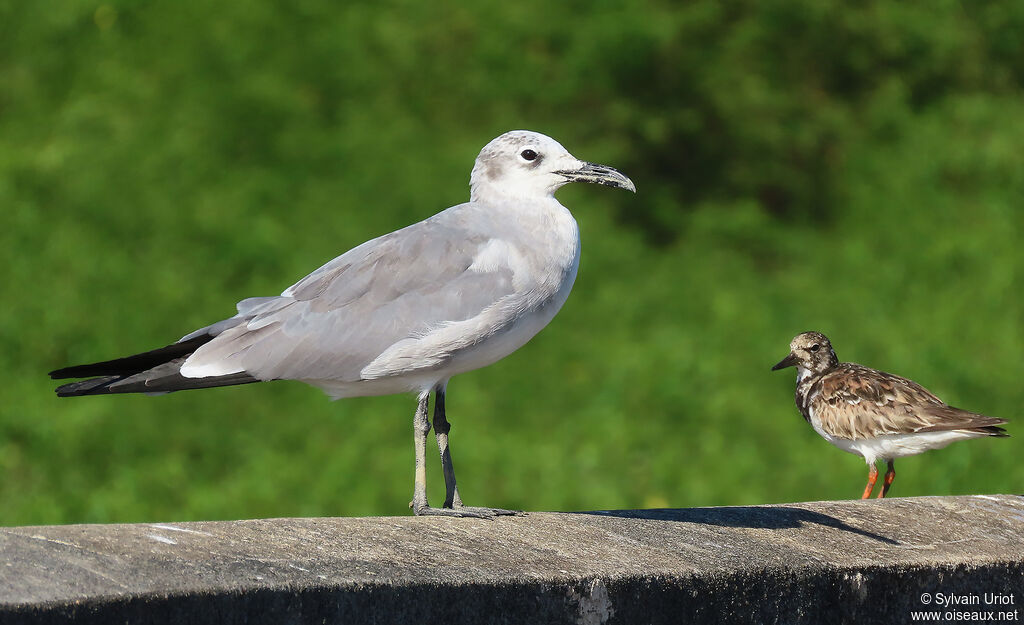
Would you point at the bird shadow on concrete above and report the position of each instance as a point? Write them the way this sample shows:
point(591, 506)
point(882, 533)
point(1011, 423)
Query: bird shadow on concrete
point(760, 517)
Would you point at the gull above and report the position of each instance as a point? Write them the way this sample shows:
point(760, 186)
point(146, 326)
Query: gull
point(401, 313)
point(874, 414)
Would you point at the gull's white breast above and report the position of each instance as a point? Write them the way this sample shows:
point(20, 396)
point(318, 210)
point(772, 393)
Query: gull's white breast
point(543, 263)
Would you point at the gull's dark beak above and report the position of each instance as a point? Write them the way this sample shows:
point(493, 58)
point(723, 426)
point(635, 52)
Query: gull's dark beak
point(598, 174)
point(788, 361)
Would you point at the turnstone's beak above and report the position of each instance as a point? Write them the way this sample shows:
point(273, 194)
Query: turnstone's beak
point(788, 361)
point(599, 174)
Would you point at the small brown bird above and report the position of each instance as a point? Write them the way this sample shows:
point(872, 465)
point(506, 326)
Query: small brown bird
point(874, 414)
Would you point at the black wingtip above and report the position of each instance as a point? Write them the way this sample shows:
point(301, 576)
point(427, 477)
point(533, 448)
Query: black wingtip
point(66, 372)
point(133, 364)
point(86, 387)
point(81, 371)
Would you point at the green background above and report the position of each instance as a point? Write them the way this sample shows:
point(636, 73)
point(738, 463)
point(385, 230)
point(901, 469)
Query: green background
point(857, 170)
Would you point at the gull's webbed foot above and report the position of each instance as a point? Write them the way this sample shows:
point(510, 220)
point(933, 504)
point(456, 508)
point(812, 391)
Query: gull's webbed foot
point(474, 512)
point(488, 512)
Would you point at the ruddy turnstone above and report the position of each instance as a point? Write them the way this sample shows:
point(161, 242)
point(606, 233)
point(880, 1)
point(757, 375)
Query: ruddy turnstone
point(877, 415)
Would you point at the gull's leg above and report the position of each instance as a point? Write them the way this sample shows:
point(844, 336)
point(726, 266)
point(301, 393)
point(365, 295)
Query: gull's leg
point(419, 505)
point(872, 477)
point(441, 429)
point(890, 475)
point(420, 429)
point(452, 499)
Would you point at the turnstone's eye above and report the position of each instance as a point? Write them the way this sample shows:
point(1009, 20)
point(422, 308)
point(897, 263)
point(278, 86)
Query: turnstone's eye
point(528, 154)
point(815, 347)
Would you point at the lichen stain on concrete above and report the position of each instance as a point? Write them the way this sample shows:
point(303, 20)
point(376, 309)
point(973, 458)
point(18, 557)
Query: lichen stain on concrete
point(858, 586)
point(595, 608)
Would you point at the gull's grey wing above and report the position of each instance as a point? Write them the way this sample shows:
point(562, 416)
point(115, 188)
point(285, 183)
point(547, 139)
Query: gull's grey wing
point(383, 308)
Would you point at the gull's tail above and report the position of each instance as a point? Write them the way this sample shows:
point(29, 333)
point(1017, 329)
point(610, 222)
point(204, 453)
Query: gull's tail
point(155, 371)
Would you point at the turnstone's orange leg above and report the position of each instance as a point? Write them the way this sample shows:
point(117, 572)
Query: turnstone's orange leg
point(872, 477)
point(890, 475)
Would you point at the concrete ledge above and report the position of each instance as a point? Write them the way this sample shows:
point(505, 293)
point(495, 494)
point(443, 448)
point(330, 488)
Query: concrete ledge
point(842, 561)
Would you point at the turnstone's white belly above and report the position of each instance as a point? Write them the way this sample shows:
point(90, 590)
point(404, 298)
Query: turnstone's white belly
point(890, 446)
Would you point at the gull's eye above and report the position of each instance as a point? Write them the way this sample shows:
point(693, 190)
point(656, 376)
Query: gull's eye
point(528, 154)
point(815, 347)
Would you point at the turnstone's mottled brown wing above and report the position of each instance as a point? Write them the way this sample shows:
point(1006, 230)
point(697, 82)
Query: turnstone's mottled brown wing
point(856, 402)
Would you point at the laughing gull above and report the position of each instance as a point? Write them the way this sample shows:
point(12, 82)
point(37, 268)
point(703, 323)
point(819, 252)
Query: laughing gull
point(403, 312)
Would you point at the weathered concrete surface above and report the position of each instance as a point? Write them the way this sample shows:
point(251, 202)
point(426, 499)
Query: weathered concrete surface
point(849, 561)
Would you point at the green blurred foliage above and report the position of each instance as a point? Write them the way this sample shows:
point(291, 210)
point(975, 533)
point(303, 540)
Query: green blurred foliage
point(851, 168)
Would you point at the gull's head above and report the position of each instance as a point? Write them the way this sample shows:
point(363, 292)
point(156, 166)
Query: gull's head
point(524, 164)
point(809, 352)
